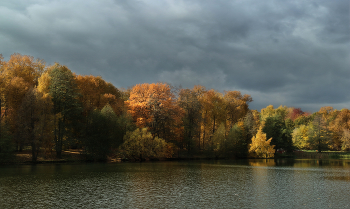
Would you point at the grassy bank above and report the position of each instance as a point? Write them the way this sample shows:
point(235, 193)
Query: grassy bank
point(25, 157)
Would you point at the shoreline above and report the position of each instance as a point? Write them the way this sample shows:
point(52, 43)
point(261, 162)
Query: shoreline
point(76, 156)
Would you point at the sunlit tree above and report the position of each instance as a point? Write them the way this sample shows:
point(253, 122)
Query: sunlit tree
point(337, 126)
point(345, 139)
point(154, 106)
point(300, 137)
point(140, 144)
point(260, 146)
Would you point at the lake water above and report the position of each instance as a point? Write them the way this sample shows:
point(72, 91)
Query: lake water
point(195, 184)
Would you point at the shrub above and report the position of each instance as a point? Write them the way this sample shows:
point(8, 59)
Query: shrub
point(140, 144)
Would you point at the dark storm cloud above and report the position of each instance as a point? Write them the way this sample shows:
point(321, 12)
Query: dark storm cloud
point(294, 53)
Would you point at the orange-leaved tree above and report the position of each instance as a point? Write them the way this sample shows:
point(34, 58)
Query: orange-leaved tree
point(236, 106)
point(213, 114)
point(97, 93)
point(154, 106)
point(25, 67)
point(340, 127)
point(18, 75)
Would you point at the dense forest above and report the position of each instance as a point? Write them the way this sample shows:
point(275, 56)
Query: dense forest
point(50, 109)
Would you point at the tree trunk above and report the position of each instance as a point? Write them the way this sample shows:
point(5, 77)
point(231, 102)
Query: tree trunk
point(34, 152)
point(59, 141)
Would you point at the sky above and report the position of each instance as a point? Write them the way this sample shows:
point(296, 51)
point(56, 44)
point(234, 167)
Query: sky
point(294, 53)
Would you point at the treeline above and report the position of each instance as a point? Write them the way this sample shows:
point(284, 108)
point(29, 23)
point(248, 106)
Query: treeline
point(51, 109)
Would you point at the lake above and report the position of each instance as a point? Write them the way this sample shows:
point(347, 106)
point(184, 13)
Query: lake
point(283, 183)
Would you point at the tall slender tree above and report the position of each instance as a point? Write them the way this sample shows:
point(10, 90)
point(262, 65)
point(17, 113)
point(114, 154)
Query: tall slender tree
point(66, 107)
point(188, 101)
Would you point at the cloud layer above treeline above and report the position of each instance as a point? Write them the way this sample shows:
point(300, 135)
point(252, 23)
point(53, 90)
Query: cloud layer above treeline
point(294, 53)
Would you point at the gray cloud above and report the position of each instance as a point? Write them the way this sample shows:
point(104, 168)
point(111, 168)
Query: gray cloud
point(294, 53)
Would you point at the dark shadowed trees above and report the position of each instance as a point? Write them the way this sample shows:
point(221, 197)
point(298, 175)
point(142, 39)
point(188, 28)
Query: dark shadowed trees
point(66, 107)
point(103, 134)
point(275, 127)
point(188, 101)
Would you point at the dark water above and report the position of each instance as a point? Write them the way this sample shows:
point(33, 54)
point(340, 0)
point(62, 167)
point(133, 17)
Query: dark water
point(196, 184)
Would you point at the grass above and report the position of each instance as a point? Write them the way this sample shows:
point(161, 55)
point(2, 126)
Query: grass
point(25, 156)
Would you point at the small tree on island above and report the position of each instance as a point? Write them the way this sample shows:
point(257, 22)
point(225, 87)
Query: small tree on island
point(260, 146)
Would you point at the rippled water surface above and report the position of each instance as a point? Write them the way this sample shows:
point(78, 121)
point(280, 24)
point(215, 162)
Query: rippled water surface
point(195, 184)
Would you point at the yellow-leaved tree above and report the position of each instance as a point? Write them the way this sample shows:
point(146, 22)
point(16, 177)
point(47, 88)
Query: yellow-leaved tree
point(260, 146)
point(140, 145)
point(300, 137)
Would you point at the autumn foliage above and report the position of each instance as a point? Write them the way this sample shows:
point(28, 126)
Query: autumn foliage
point(154, 106)
point(51, 109)
point(261, 146)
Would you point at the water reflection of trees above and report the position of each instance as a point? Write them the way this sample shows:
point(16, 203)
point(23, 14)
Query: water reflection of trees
point(262, 162)
point(299, 163)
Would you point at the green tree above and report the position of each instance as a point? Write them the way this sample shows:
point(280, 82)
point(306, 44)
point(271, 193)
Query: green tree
point(125, 122)
point(218, 139)
point(236, 143)
point(275, 127)
point(103, 133)
point(64, 93)
point(302, 120)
